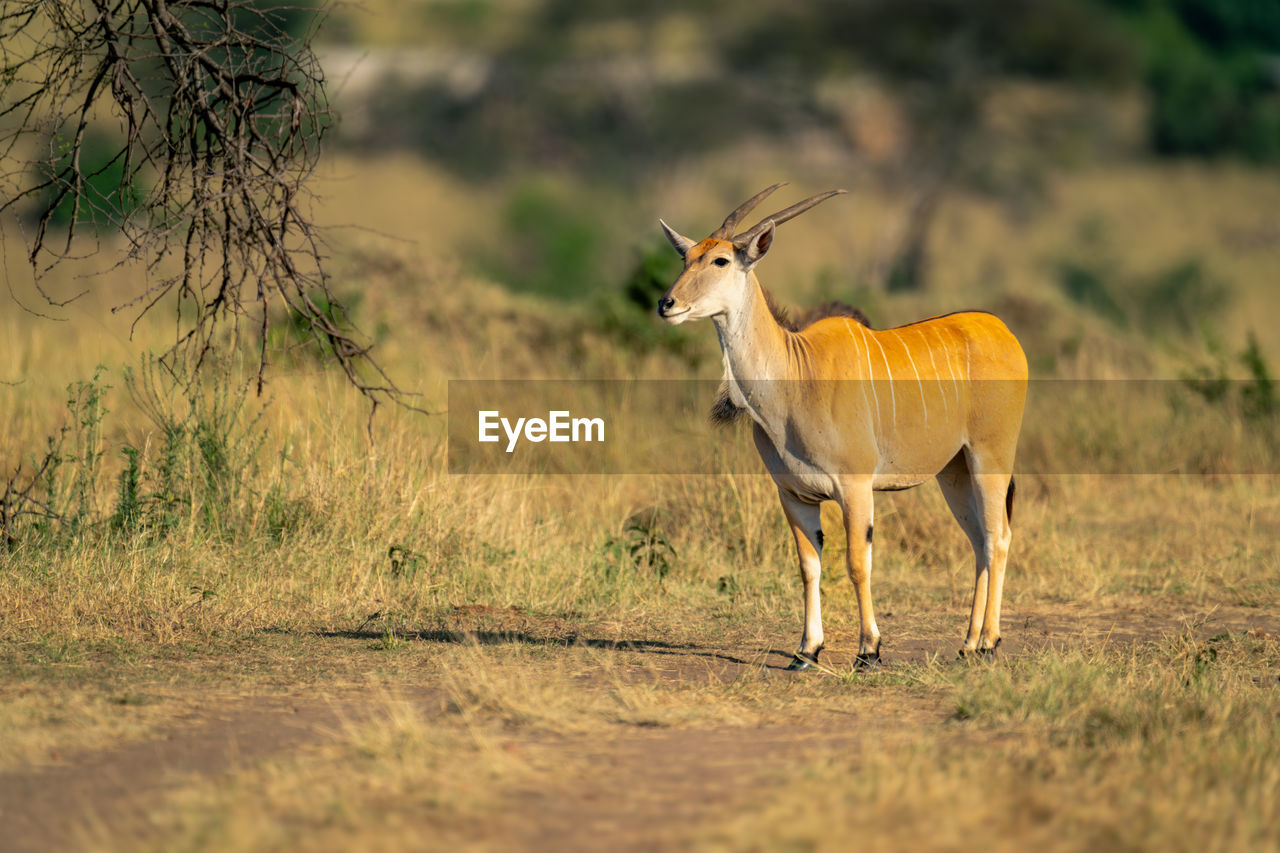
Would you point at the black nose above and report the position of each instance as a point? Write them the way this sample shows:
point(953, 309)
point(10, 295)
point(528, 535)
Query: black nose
point(665, 304)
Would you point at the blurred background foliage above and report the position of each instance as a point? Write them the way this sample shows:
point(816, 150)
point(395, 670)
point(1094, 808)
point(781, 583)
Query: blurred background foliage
point(1004, 154)
point(921, 97)
point(616, 88)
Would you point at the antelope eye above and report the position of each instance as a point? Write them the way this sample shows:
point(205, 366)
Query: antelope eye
point(721, 262)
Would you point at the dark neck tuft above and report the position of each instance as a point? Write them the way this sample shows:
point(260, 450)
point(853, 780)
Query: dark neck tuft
point(810, 316)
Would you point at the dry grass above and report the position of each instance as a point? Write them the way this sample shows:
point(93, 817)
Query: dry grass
point(1165, 746)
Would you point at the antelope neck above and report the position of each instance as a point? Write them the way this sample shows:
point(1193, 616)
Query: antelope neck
point(757, 353)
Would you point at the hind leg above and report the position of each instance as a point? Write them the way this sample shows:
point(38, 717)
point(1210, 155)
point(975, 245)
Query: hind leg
point(957, 487)
point(978, 501)
point(990, 491)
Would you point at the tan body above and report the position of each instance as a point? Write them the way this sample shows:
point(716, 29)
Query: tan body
point(841, 410)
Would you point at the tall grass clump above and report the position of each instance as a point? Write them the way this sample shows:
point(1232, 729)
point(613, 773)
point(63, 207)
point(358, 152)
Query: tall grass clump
point(146, 513)
point(55, 495)
point(191, 471)
point(205, 456)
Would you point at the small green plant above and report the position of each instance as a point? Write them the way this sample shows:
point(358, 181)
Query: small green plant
point(51, 649)
point(642, 548)
point(282, 514)
point(1205, 657)
point(128, 500)
point(1174, 298)
point(59, 494)
point(86, 405)
point(203, 593)
point(1252, 399)
point(391, 641)
point(727, 585)
point(1258, 396)
point(405, 562)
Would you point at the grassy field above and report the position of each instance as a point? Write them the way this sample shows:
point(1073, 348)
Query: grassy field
point(296, 629)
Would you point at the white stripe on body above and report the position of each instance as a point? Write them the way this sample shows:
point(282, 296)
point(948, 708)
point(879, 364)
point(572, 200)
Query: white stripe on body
point(893, 395)
point(937, 377)
point(870, 373)
point(919, 384)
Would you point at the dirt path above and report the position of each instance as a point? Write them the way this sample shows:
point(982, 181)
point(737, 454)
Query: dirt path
point(646, 789)
point(109, 792)
point(659, 790)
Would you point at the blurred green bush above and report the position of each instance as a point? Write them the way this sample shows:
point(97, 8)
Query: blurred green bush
point(1212, 70)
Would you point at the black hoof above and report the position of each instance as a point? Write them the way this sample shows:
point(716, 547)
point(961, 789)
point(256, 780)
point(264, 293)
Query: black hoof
point(869, 660)
point(980, 654)
point(803, 660)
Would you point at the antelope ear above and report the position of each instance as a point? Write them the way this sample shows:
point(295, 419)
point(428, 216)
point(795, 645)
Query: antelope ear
point(681, 243)
point(756, 242)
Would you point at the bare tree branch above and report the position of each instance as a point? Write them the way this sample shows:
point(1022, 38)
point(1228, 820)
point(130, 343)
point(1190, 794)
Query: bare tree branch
point(218, 109)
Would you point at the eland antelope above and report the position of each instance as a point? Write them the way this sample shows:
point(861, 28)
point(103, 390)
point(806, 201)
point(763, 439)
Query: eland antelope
point(840, 411)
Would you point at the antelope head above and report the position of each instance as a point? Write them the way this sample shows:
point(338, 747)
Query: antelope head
point(716, 275)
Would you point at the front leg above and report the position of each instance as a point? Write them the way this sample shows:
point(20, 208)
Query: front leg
point(858, 503)
point(806, 525)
